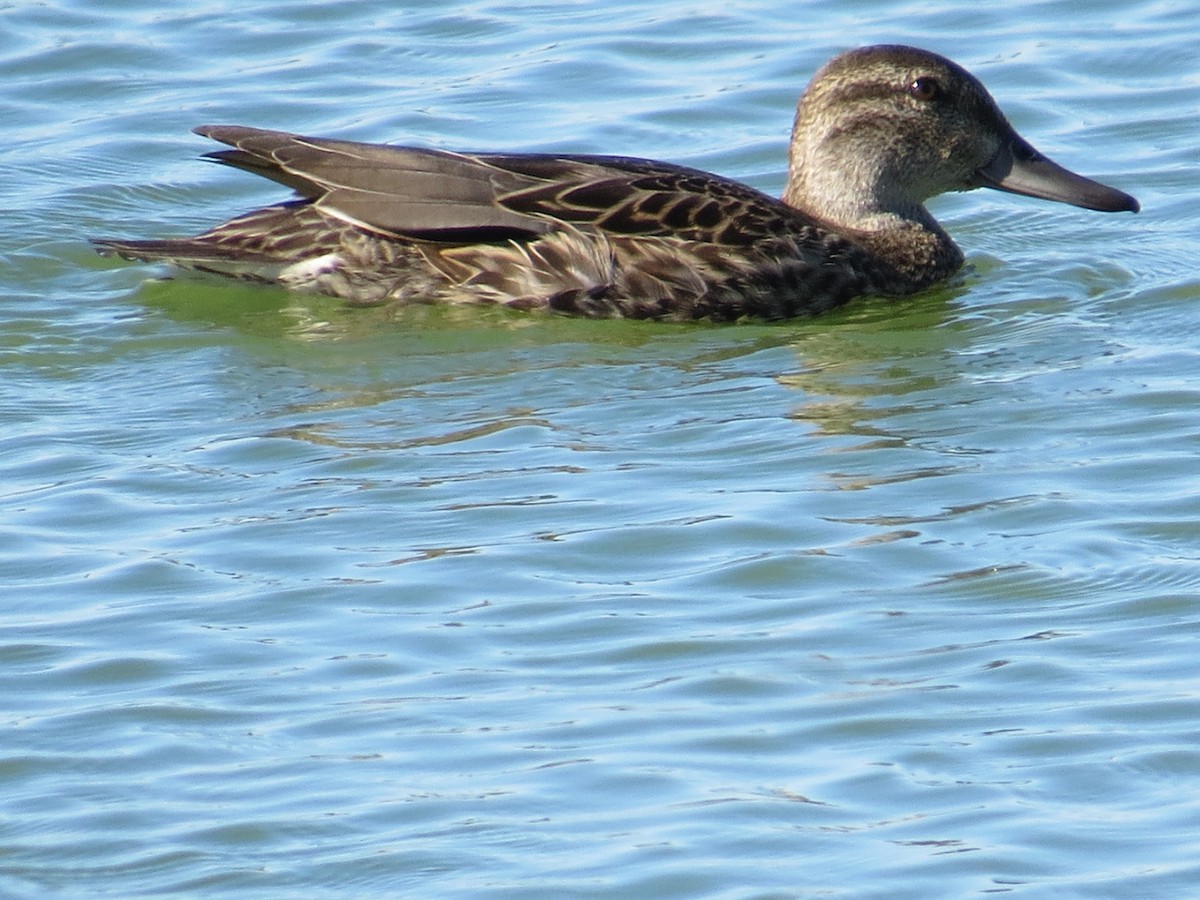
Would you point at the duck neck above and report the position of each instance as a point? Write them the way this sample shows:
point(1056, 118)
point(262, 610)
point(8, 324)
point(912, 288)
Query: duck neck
point(858, 195)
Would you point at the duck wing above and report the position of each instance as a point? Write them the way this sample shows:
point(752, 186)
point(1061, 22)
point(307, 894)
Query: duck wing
point(452, 197)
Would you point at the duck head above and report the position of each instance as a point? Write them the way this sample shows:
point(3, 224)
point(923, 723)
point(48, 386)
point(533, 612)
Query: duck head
point(882, 129)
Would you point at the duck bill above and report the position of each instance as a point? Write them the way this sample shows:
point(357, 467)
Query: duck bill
point(1019, 169)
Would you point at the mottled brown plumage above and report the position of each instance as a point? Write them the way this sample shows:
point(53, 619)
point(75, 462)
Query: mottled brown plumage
point(878, 132)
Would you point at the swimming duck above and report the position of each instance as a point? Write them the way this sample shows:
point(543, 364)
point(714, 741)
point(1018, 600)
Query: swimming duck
point(878, 132)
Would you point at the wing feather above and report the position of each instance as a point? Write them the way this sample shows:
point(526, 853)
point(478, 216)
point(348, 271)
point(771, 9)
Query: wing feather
point(462, 197)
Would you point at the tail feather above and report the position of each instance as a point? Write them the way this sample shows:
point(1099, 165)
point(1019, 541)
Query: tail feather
point(256, 246)
point(181, 251)
point(200, 256)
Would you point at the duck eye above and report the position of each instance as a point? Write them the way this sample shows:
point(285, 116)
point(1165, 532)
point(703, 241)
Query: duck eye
point(925, 89)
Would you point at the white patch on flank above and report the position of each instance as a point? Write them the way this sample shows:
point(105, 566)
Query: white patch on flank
point(307, 271)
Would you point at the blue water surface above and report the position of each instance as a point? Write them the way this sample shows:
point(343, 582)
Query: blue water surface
point(303, 601)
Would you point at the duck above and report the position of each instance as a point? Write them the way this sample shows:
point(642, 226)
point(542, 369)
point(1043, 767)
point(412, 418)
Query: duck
point(878, 132)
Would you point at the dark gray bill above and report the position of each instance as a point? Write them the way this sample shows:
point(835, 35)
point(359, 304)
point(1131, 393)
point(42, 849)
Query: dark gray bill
point(1019, 169)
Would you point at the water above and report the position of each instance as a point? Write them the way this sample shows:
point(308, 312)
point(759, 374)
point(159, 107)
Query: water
point(308, 601)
